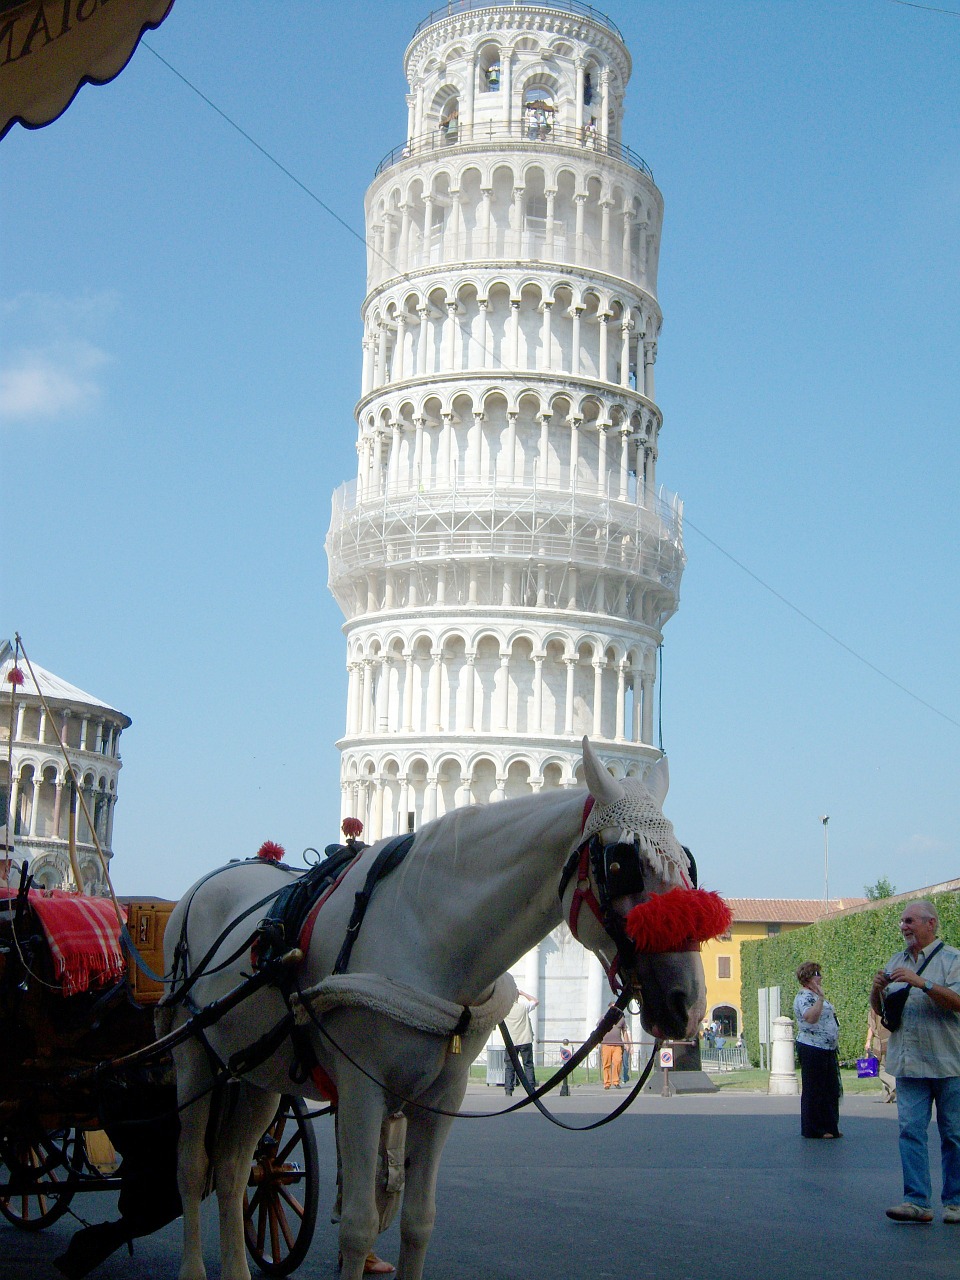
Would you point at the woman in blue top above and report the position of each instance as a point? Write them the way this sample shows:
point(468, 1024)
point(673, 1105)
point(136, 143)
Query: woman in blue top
point(817, 1038)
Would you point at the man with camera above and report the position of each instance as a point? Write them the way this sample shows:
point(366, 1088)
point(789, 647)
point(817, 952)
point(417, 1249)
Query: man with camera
point(918, 997)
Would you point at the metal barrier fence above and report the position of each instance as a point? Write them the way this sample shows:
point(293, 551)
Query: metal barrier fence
point(730, 1058)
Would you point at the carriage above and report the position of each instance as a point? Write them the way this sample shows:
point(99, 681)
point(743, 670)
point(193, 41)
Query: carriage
point(380, 1011)
point(87, 1096)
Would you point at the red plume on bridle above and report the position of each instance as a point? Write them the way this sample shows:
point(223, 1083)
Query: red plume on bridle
point(269, 851)
point(351, 827)
point(678, 920)
point(15, 676)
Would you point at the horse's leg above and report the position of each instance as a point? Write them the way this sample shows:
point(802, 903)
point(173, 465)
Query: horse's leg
point(249, 1113)
point(360, 1113)
point(192, 1078)
point(426, 1135)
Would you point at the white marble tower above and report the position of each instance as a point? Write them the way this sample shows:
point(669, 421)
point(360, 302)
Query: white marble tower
point(504, 559)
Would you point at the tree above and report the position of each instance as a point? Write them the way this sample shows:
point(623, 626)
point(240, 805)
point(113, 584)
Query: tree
point(882, 889)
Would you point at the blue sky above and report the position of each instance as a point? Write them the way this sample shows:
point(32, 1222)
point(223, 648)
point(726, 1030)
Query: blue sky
point(180, 358)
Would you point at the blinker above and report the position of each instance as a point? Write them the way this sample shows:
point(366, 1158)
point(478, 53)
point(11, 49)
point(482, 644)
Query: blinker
point(620, 870)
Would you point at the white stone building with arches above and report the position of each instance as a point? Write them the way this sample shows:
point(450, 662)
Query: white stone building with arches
point(36, 811)
point(504, 559)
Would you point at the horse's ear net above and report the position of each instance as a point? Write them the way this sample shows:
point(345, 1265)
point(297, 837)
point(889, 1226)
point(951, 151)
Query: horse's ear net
point(677, 920)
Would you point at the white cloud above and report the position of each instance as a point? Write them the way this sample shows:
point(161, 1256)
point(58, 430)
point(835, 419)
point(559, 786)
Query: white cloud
point(55, 370)
point(51, 383)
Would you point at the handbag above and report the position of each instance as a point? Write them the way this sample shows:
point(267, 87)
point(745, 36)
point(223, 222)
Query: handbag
point(868, 1067)
point(893, 1005)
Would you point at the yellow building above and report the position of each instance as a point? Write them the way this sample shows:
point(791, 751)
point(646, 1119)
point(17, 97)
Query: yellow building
point(753, 918)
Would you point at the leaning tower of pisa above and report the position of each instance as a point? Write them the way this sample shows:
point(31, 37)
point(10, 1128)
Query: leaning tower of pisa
point(504, 558)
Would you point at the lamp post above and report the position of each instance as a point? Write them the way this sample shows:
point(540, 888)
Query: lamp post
point(825, 818)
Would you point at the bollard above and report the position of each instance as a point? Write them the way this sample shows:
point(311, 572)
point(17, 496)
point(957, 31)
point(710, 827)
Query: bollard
point(783, 1071)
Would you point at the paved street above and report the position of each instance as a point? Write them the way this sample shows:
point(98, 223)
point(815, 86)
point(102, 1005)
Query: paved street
point(718, 1187)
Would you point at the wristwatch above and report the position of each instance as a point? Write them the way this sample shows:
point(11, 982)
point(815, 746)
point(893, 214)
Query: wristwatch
point(927, 986)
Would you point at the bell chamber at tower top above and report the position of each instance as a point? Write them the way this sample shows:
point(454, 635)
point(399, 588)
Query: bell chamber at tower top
point(514, 149)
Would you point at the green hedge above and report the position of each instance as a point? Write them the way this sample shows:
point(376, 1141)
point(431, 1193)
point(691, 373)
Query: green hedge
point(850, 950)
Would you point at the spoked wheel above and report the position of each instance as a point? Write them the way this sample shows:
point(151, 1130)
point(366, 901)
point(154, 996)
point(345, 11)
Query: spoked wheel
point(38, 1176)
point(280, 1205)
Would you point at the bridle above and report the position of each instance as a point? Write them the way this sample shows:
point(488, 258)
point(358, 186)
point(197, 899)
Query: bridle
point(605, 873)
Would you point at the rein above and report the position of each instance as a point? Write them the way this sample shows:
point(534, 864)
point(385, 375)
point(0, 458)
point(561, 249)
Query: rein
point(533, 1095)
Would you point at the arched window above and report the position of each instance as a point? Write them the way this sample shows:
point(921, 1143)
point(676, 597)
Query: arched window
point(539, 113)
point(450, 121)
point(490, 69)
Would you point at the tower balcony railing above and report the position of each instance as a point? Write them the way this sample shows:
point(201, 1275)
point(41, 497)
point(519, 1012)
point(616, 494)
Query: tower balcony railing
point(454, 135)
point(494, 524)
point(455, 7)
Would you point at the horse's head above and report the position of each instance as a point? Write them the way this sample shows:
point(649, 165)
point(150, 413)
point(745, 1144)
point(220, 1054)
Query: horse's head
point(630, 895)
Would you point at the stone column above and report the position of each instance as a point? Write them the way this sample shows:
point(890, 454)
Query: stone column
point(423, 341)
point(467, 122)
point(399, 371)
point(603, 372)
point(57, 799)
point(550, 250)
point(510, 461)
point(475, 449)
point(418, 424)
point(650, 475)
point(575, 425)
point(450, 338)
point(625, 267)
point(605, 103)
point(434, 691)
point(543, 457)
point(366, 377)
point(624, 462)
point(394, 460)
point(580, 201)
point(571, 664)
point(503, 693)
point(649, 360)
point(621, 701)
point(470, 692)
point(538, 692)
point(594, 1010)
point(486, 341)
point(573, 582)
point(514, 333)
point(575, 360)
point(408, 692)
point(366, 698)
point(602, 456)
point(377, 819)
point(598, 667)
point(605, 264)
point(506, 73)
point(486, 219)
point(647, 681)
point(447, 461)
point(625, 329)
point(430, 798)
point(546, 335)
point(383, 695)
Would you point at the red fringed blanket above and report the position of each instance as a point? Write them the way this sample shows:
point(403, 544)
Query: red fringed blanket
point(83, 935)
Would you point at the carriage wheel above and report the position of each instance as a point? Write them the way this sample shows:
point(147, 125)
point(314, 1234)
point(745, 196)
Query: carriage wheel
point(44, 1169)
point(280, 1205)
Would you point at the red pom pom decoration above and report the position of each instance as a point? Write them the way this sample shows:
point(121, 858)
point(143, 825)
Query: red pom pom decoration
point(678, 920)
point(351, 827)
point(15, 676)
point(271, 852)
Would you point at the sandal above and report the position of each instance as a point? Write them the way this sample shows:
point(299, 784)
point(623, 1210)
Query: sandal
point(373, 1266)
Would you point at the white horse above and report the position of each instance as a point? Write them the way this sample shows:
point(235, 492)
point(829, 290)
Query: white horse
point(478, 889)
